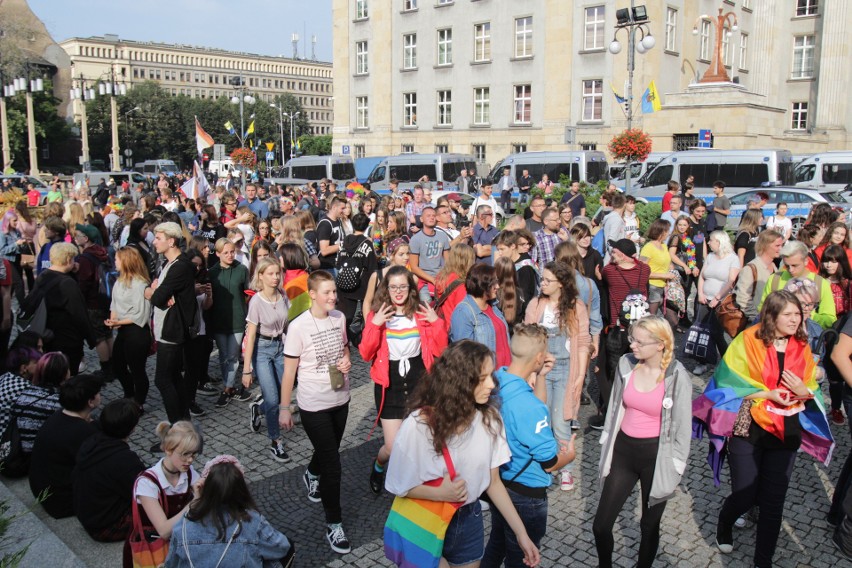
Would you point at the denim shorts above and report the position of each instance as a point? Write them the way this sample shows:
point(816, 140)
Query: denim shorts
point(465, 540)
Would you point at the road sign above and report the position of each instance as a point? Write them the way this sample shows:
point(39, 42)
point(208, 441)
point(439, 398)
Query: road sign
point(345, 149)
point(270, 146)
point(705, 138)
point(270, 156)
point(218, 151)
point(128, 152)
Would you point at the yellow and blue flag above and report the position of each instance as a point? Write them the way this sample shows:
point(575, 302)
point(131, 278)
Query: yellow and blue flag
point(230, 127)
point(651, 99)
point(250, 130)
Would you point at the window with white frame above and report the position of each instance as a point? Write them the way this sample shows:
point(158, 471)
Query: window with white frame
point(803, 57)
point(726, 49)
point(479, 152)
point(442, 148)
point(743, 51)
point(594, 38)
point(360, 9)
point(409, 4)
point(671, 29)
point(800, 116)
point(482, 105)
point(482, 42)
point(523, 104)
point(747, 4)
point(361, 67)
point(409, 109)
point(523, 37)
point(409, 51)
point(704, 52)
point(445, 2)
point(807, 7)
point(588, 146)
point(445, 108)
point(360, 151)
point(593, 99)
point(518, 148)
point(407, 148)
point(362, 112)
point(445, 47)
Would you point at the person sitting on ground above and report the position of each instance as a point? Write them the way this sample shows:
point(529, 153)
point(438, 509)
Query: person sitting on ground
point(21, 364)
point(103, 477)
point(56, 445)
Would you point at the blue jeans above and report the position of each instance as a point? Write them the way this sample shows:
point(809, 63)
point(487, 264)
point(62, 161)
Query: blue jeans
point(269, 367)
point(229, 345)
point(557, 383)
point(463, 543)
point(502, 544)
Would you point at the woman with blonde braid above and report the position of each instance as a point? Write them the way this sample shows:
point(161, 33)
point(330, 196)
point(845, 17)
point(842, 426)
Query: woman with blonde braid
point(645, 438)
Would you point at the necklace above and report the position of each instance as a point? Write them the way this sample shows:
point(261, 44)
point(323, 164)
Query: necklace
point(167, 470)
point(273, 300)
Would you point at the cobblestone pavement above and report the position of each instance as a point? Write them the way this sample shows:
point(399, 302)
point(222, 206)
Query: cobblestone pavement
point(688, 523)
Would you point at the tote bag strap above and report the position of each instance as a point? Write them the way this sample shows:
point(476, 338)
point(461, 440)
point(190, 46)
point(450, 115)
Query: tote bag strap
point(137, 519)
point(451, 468)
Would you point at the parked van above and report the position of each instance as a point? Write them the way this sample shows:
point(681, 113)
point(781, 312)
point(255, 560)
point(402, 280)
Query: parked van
point(442, 169)
point(739, 169)
point(133, 178)
point(364, 167)
point(588, 166)
point(639, 169)
point(827, 171)
point(222, 167)
point(153, 168)
point(339, 168)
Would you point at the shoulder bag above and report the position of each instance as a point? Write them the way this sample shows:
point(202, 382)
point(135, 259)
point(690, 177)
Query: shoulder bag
point(730, 316)
point(146, 547)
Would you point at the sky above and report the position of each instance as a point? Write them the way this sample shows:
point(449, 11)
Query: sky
point(205, 23)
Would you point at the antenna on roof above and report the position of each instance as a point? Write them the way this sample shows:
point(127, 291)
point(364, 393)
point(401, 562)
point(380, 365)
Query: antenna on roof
point(295, 39)
point(314, 48)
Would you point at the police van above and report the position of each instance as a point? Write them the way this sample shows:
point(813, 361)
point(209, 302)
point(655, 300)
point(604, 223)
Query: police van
point(443, 170)
point(589, 166)
point(153, 168)
point(827, 171)
point(338, 168)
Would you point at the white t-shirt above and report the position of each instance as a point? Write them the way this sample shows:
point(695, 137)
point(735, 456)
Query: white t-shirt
point(317, 343)
point(474, 453)
point(491, 202)
point(147, 488)
point(780, 225)
point(403, 338)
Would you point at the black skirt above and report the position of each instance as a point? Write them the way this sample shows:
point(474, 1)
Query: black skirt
point(399, 389)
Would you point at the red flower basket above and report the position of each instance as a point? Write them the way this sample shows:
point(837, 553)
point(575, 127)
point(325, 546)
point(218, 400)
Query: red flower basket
point(244, 157)
point(632, 145)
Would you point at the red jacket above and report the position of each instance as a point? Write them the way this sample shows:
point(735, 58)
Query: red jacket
point(374, 346)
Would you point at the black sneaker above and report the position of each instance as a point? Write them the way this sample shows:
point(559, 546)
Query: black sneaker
point(207, 390)
point(837, 540)
point(724, 538)
point(585, 400)
point(242, 395)
point(254, 411)
point(279, 454)
point(224, 399)
point(195, 410)
point(312, 483)
point(597, 422)
point(337, 538)
point(377, 479)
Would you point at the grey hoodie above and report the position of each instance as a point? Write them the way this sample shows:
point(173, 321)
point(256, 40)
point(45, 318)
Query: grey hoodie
point(675, 427)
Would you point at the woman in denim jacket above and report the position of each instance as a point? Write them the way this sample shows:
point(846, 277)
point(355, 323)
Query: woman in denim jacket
point(223, 527)
point(476, 317)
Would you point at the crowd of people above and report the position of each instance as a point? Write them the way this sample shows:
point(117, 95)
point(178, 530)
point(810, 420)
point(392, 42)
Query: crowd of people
point(483, 341)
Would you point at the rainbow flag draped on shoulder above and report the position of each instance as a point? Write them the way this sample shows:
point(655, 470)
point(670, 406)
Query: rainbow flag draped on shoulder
point(750, 367)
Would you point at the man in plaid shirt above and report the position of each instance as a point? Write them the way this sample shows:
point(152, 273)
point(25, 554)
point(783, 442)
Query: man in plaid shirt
point(546, 239)
point(274, 199)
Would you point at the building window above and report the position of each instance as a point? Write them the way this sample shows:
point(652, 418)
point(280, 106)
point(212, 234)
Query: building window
point(800, 116)
point(445, 108)
point(523, 104)
point(479, 152)
point(518, 148)
point(807, 7)
point(409, 4)
point(482, 42)
point(409, 51)
point(442, 148)
point(361, 58)
point(704, 52)
point(671, 29)
point(594, 27)
point(362, 112)
point(726, 49)
point(747, 4)
point(593, 99)
point(445, 47)
point(482, 105)
point(743, 51)
point(803, 57)
point(589, 146)
point(408, 148)
point(360, 151)
point(523, 37)
point(445, 2)
point(409, 109)
point(360, 9)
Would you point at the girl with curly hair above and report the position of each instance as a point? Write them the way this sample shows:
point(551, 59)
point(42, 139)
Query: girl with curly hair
point(452, 413)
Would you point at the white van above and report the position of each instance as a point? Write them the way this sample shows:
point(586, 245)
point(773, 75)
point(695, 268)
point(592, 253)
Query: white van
point(407, 169)
point(827, 171)
point(339, 168)
point(639, 169)
point(739, 169)
point(588, 166)
point(94, 179)
point(222, 168)
point(153, 168)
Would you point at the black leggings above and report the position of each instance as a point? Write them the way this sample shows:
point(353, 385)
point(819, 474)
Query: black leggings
point(759, 477)
point(129, 355)
point(172, 382)
point(325, 431)
point(197, 360)
point(633, 459)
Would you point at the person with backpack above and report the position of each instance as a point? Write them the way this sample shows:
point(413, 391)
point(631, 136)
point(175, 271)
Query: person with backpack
point(402, 337)
point(54, 232)
point(93, 273)
point(356, 259)
point(330, 234)
point(429, 251)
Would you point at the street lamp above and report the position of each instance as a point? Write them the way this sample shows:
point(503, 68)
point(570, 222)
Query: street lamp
point(113, 89)
point(292, 118)
point(8, 91)
point(83, 94)
point(725, 24)
point(633, 19)
point(240, 99)
point(29, 86)
point(281, 125)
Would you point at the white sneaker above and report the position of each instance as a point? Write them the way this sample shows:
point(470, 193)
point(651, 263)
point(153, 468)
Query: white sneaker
point(484, 505)
point(567, 483)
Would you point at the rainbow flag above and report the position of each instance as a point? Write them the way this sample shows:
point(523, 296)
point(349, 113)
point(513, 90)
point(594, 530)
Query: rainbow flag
point(749, 367)
point(296, 288)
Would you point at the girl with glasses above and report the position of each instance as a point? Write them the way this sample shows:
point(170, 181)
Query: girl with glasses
point(402, 337)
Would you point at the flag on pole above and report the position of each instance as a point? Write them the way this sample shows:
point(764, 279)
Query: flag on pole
point(250, 130)
point(196, 186)
point(651, 99)
point(202, 139)
point(230, 127)
point(620, 100)
point(298, 146)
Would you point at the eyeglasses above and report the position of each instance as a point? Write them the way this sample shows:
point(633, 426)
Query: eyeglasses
point(810, 305)
point(549, 280)
point(631, 340)
point(486, 215)
point(403, 288)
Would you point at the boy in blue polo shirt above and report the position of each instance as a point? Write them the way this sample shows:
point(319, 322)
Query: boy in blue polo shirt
point(535, 452)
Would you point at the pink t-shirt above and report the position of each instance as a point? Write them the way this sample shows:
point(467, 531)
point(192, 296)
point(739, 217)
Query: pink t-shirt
point(643, 410)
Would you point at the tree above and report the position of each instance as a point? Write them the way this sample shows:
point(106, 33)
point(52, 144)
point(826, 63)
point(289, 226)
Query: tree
point(315, 145)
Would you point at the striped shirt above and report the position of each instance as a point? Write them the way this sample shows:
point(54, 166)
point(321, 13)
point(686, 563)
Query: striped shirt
point(403, 338)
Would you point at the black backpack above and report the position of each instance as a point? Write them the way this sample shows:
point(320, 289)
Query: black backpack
point(634, 305)
point(351, 265)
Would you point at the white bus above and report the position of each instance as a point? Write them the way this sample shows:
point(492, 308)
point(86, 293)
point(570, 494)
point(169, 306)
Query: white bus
point(338, 168)
point(827, 171)
point(739, 169)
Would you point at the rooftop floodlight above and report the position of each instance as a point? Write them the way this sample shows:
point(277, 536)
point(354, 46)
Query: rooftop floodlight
point(640, 14)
